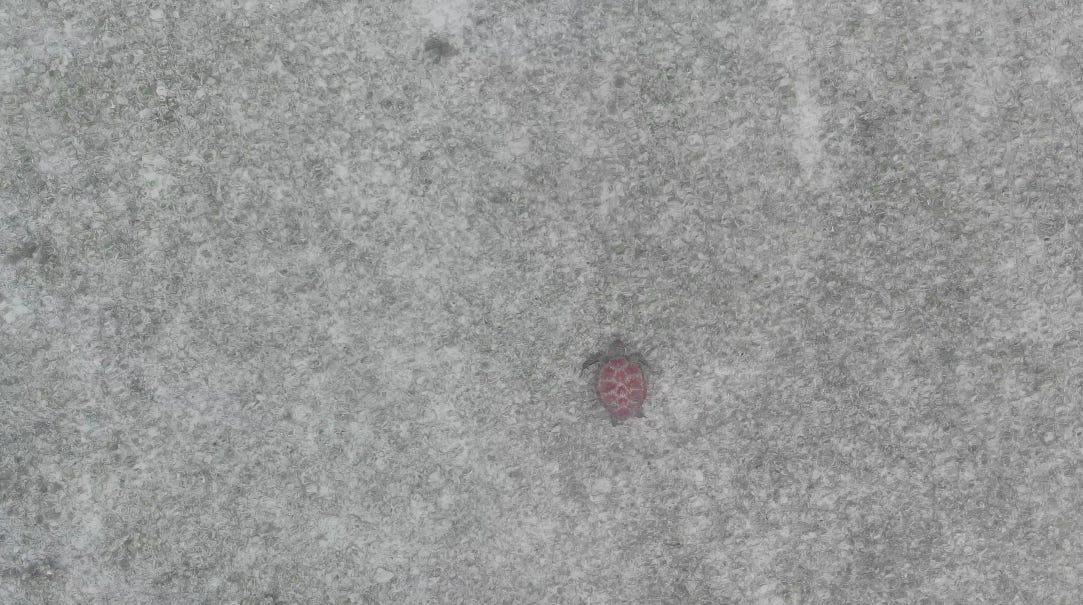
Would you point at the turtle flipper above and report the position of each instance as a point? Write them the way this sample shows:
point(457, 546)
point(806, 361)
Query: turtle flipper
point(638, 359)
point(592, 360)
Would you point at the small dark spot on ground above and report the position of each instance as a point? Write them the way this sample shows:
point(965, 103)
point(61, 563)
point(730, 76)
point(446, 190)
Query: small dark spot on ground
point(438, 48)
point(43, 569)
point(619, 81)
point(137, 386)
point(23, 252)
point(43, 253)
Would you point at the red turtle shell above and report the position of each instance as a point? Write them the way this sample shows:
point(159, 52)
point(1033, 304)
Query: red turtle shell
point(621, 387)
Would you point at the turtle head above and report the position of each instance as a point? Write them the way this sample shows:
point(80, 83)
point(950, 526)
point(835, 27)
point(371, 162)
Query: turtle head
point(616, 349)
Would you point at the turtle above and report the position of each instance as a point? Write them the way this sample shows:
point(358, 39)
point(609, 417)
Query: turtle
point(620, 384)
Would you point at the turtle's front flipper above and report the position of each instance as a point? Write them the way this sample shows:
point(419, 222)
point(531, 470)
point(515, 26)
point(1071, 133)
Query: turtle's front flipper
point(593, 360)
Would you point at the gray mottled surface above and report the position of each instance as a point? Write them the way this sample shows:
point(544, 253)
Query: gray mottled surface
point(293, 298)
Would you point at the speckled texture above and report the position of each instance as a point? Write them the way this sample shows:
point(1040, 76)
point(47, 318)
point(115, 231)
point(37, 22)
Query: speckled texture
point(293, 299)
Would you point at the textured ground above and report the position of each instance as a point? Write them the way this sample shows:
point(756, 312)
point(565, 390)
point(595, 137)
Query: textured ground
point(293, 298)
